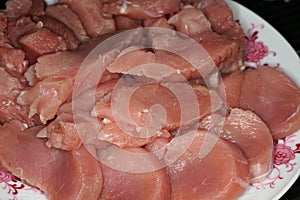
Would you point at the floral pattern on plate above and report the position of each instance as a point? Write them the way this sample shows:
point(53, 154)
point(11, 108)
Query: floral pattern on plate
point(13, 186)
point(256, 50)
point(284, 156)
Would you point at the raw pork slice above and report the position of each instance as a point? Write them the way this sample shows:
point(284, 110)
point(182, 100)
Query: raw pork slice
point(113, 134)
point(46, 97)
point(223, 50)
point(142, 9)
point(152, 107)
point(191, 21)
point(59, 29)
point(69, 132)
point(221, 18)
point(18, 27)
point(246, 130)
point(63, 13)
point(121, 185)
point(269, 93)
point(209, 167)
point(89, 12)
point(41, 42)
point(60, 174)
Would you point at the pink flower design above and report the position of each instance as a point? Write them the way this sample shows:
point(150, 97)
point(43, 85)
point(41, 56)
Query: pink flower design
point(283, 154)
point(5, 177)
point(255, 51)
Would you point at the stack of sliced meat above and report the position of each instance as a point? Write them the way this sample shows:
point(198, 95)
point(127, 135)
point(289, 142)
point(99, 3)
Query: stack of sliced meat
point(162, 111)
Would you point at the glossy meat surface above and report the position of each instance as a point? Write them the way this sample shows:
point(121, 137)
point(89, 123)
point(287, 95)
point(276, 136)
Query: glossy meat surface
point(60, 174)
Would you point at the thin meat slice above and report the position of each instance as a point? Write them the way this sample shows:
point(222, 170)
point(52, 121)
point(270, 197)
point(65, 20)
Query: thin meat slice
point(69, 132)
point(72, 128)
point(206, 53)
point(253, 137)
point(179, 64)
point(113, 134)
point(246, 130)
point(62, 133)
point(40, 43)
point(141, 9)
point(221, 18)
point(89, 12)
point(152, 107)
point(64, 14)
point(278, 107)
point(172, 66)
point(102, 107)
point(208, 168)
point(46, 96)
point(67, 64)
point(129, 59)
point(160, 65)
point(122, 185)
point(60, 174)
point(222, 50)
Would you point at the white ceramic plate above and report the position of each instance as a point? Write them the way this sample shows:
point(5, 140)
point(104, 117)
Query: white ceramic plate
point(267, 46)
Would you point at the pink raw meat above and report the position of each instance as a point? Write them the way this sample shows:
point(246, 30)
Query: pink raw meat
point(60, 174)
point(271, 94)
point(209, 168)
point(142, 9)
point(89, 12)
point(121, 185)
point(246, 130)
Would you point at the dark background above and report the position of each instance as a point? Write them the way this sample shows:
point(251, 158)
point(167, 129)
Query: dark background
point(284, 15)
